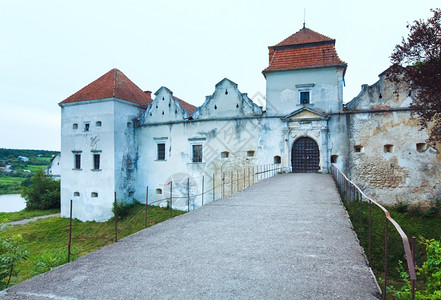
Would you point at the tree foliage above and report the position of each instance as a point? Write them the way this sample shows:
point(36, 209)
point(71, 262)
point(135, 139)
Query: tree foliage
point(11, 253)
point(43, 193)
point(417, 60)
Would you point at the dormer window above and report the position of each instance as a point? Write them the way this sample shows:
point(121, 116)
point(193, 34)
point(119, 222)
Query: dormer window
point(305, 97)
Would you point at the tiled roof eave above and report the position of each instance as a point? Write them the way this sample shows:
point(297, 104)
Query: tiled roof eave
point(303, 68)
point(61, 104)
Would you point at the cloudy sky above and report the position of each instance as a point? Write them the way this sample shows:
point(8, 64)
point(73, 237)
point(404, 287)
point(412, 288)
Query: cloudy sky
point(51, 49)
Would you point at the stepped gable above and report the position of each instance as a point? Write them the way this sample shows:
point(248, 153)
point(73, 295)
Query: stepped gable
point(185, 105)
point(113, 84)
point(304, 49)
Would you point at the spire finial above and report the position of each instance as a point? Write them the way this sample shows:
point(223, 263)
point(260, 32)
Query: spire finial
point(304, 17)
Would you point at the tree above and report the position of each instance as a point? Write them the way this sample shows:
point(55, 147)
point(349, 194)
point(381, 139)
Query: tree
point(44, 193)
point(417, 60)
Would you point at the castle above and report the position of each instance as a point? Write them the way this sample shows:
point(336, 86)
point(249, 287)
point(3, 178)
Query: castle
point(116, 138)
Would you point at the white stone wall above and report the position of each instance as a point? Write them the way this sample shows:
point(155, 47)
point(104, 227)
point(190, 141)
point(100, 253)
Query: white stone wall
point(92, 191)
point(325, 86)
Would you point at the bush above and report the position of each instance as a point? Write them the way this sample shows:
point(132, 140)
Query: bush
point(11, 253)
point(122, 209)
point(43, 193)
point(430, 272)
point(49, 260)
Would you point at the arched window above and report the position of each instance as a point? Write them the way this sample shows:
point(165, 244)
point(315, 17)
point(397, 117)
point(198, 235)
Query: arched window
point(76, 194)
point(277, 159)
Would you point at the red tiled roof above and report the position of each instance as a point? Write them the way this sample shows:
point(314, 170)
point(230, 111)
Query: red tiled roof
point(185, 105)
point(113, 84)
point(304, 49)
point(304, 36)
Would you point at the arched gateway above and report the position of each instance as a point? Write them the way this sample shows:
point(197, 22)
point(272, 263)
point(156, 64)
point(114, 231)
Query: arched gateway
point(305, 156)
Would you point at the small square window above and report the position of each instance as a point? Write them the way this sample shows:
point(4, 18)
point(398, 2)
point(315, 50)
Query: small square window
point(334, 159)
point(197, 153)
point(421, 147)
point(161, 151)
point(388, 148)
point(131, 194)
point(250, 153)
point(358, 148)
point(158, 191)
point(86, 126)
point(98, 123)
point(277, 159)
point(304, 97)
point(76, 194)
point(225, 154)
point(94, 195)
point(75, 126)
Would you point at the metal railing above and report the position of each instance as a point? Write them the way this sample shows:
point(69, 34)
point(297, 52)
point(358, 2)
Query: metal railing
point(229, 182)
point(350, 192)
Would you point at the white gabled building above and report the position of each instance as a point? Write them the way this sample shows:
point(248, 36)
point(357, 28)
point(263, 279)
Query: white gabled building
point(116, 139)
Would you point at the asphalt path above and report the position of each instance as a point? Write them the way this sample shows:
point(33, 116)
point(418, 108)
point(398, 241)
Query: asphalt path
point(286, 237)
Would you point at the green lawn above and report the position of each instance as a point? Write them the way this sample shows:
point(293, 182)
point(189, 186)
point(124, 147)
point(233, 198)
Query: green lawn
point(6, 217)
point(10, 185)
point(46, 239)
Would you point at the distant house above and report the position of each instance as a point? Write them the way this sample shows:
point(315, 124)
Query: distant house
point(26, 171)
point(8, 169)
point(23, 158)
point(53, 170)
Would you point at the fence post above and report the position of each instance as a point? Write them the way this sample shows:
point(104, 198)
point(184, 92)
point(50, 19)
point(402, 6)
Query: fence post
point(146, 206)
point(70, 233)
point(414, 263)
point(214, 187)
point(171, 201)
point(188, 193)
point(231, 181)
point(360, 198)
point(115, 214)
point(203, 190)
point(370, 231)
point(386, 256)
point(223, 184)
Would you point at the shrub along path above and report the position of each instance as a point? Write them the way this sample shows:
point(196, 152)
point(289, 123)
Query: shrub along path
point(286, 237)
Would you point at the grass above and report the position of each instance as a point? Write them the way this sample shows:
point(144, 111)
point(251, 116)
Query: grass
point(414, 222)
point(46, 239)
point(6, 217)
point(10, 185)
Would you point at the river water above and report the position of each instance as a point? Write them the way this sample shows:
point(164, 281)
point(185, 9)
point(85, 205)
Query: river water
point(10, 203)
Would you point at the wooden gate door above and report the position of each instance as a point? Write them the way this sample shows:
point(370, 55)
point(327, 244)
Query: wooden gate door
point(305, 156)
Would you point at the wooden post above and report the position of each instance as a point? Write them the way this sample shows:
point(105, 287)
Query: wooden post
point(188, 193)
point(70, 233)
point(202, 190)
point(115, 214)
point(171, 201)
point(146, 206)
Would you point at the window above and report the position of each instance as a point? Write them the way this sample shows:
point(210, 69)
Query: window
point(75, 126)
point(96, 161)
point(250, 153)
point(129, 124)
point(158, 191)
point(388, 148)
point(98, 123)
point(77, 161)
point(161, 151)
point(277, 159)
point(358, 148)
point(225, 154)
point(197, 153)
point(94, 195)
point(76, 194)
point(86, 126)
point(304, 97)
point(334, 159)
point(421, 147)
point(131, 194)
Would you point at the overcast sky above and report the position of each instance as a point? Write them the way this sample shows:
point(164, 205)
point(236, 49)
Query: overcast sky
point(51, 49)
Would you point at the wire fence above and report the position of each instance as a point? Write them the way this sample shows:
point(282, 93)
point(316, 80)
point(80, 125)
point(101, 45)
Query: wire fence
point(185, 191)
point(360, 208)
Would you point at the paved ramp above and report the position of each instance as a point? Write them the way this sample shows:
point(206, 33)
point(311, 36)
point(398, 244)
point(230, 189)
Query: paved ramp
point(287, 237)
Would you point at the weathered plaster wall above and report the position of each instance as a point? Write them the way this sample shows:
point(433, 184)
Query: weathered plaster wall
point(113, 140)
point(282, 90)
point(388, 166)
